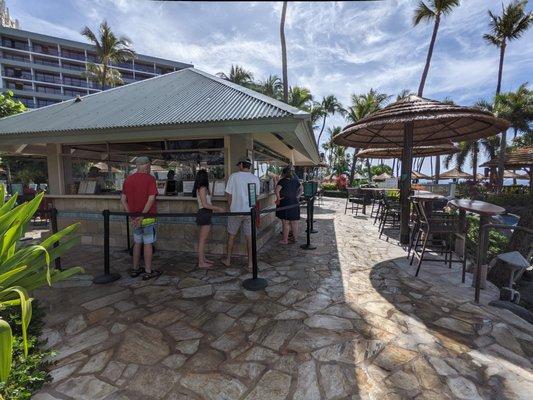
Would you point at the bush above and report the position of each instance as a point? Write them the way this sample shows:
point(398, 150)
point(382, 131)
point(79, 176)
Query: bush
point(510, 199)
point(28, 374)
point(498, 242)
point(329, 186)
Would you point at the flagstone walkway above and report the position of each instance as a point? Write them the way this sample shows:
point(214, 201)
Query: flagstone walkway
point(345, 321)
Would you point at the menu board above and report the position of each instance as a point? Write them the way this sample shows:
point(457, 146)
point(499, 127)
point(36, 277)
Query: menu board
point(218, 188)
point(188, 187)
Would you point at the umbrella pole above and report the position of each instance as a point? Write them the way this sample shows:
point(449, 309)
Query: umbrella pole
point(405, 181)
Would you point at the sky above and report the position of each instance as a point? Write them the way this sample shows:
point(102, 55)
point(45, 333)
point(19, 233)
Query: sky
point(339, 48)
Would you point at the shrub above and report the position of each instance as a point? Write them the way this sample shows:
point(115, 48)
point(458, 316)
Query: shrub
point(28, 374)
point(23, 269)
point(329, 186)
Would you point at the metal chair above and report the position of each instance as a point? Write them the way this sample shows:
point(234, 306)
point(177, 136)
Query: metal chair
point(390, 214)
point(355, 199)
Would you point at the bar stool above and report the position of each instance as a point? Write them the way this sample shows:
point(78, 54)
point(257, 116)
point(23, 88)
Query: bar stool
point(430, 227)
point(390, 214)
point(356, 198)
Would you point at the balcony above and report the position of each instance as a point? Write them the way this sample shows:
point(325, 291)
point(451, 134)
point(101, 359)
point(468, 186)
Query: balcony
point(15, 44)
point(47, 78)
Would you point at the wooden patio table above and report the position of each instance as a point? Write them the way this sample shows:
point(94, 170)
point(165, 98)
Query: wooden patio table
point(485, 212)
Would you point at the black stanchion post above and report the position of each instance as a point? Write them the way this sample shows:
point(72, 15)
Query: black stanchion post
point(107, 277)
point(254, 283)
point(313, 230)
point(308, 246)
point(53, 221)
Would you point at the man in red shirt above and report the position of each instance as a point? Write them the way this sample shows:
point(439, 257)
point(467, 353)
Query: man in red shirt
point(138, 196)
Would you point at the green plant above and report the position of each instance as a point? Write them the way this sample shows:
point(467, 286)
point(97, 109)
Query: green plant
point(497, 241)
point(28, 374)
point(10, 106)
point(329, 186)
point(23, 269)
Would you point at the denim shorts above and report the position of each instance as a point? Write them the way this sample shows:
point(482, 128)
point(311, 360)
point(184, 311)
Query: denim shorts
point(144, 234)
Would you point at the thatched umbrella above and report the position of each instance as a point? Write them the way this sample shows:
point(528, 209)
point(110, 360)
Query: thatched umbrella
point(513, 175)
point(517, 158)
point(415, 175)
point(456, 173)
point(416, 121)
point(418, 151)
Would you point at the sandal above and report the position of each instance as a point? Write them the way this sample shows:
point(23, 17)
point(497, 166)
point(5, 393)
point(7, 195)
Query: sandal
point(135, 272)
point(149, 275)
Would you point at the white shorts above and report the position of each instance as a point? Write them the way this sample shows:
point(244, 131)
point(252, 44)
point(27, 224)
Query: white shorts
point(236, 221)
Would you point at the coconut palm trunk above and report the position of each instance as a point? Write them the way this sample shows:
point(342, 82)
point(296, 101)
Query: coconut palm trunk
point(503, 141)
point(429, 55)
point(284, 53)
point(352, 168)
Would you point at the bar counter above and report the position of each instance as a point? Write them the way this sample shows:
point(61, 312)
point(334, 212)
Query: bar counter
point(176, 234)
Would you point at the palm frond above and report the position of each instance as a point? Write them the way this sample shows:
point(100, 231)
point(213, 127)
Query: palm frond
point(423, 13)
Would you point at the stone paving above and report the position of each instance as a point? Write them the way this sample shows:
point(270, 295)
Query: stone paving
point(345, 321)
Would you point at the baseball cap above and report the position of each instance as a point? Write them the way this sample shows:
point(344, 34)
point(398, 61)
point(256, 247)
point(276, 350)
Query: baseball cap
point(142, 160)
point(244, 162)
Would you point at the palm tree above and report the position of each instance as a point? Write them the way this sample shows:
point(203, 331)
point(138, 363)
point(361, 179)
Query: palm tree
point(109, 49)
point(488, 145)
point(504, 28)
point(330, 106)
point(517, 108)
point(238, 75)
point(405, 93)
point(337, 157)
point(105, 77)
point(433, 10)
point(300, 97)
point(271, 86)
point(363, 105)
point(284, 53)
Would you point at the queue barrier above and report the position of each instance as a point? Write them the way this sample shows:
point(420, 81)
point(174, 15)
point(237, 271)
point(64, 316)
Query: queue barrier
point(253, 284)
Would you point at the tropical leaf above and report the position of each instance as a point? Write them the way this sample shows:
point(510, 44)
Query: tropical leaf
point(6, 348)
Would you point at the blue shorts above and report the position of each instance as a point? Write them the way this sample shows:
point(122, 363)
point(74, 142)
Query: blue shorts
point(144, 234)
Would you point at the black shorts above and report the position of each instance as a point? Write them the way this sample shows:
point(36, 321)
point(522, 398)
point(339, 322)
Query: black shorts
point(203, 216)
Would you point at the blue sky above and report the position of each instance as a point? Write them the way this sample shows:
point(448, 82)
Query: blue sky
point(333, 47)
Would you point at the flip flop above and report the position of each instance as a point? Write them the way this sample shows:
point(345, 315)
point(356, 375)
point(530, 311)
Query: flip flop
point(207, 266)
point(224, 263)
point(149, 275)
point(135, 272)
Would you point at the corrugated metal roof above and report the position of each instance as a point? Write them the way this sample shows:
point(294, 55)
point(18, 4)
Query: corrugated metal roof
point(187, 96)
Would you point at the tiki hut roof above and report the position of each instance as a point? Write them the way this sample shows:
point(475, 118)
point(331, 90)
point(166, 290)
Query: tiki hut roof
point(455, 173)
point(515, 158)
point(419, 175)
point(418, 151)
point(433, 123)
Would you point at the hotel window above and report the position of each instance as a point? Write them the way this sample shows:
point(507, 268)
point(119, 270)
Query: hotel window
point(46, 61)
point(74, 92)
point(48, 89)
point(17, 85)
point(46, 102)
point(15, 57)
point(45, 49)
point(73, 66)
point(28, 102)
point(47, 77)
point(18, 73)
point(73, 81)
point(15, 44)
point(91, 57)
point(73, 54)
point(110, 164)
point(144, 67)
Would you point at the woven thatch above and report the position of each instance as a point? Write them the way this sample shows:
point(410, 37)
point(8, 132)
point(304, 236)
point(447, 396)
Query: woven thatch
point(513, 175)
point(515, 158)
point(455, 173)
point(419, 151)
point(434, 123)
point(418, 175)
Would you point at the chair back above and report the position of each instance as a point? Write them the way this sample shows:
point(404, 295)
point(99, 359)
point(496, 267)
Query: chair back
point(353, 192)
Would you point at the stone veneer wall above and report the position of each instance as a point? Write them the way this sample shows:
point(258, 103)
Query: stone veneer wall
point(179, 234)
